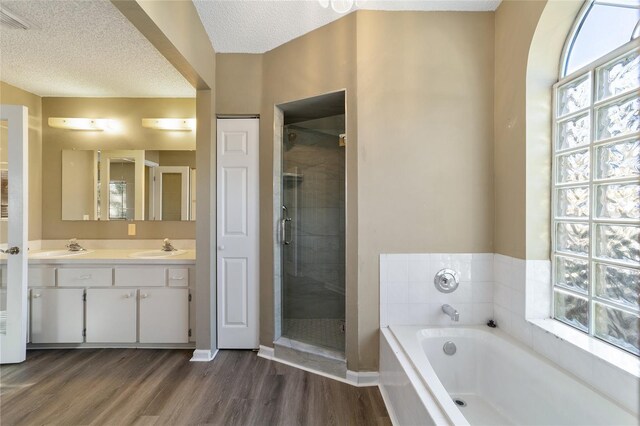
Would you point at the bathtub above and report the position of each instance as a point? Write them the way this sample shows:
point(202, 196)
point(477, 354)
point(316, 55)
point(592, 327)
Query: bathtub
point(489, 380)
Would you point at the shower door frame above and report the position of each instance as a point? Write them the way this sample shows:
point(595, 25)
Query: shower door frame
point(278, 279)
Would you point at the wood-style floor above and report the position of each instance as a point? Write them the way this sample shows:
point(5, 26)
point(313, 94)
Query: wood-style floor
point(148, 387)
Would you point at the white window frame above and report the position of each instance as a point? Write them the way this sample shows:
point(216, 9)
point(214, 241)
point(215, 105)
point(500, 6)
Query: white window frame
point(591, 69)
point(575, 29)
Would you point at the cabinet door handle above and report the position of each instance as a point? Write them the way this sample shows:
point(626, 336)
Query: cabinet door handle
point(144, 295)
point(36, 295)
point(85, 277)
point(128, 295)
point(177, 277)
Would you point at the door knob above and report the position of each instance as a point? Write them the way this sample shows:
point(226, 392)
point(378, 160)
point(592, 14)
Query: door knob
point(36, 295)
point(11, 250)
point(220, 247)
point(144, 295)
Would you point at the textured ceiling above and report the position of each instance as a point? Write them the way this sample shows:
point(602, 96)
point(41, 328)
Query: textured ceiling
point(84, 49)
point(257, 26)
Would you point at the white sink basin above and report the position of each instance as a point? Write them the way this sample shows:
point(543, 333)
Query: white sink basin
point(156, 254)
point(57, 253)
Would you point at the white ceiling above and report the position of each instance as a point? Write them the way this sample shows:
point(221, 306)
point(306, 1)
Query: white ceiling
point(257, 26)
point(84, 49)
point(87, 48)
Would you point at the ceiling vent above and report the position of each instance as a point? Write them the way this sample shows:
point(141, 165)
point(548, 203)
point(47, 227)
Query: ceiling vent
point(12, 21)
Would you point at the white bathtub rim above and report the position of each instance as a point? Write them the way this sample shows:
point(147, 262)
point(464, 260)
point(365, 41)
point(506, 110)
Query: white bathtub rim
point(409, 341)
point(430, 390)
point(411, 334)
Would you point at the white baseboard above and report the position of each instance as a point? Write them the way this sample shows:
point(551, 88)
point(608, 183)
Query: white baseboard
point(203, 355)
point(354, 378)
point(388, 405)
point(266, 352)
point(363, 378)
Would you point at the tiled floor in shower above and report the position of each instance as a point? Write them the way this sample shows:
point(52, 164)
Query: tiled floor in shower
point(328, 333)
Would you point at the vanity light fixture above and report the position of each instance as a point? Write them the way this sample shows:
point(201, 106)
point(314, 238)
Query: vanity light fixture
point(338, 6)
point(95, 124)
point(183, 124)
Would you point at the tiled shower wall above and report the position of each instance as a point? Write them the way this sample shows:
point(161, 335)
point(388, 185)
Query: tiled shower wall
point(314, 193)
point(408, 295)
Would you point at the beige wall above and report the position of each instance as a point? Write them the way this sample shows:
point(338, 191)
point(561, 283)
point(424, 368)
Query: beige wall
point(177, 158)
point(416, 106)
point(425, 114)
point(238, 83)
point(79, 184)
point(515, 23)
point(543, 69)
point(319, 62)
point(528, 44)
point(129, 113)
point(13, 95)
point(175, 29)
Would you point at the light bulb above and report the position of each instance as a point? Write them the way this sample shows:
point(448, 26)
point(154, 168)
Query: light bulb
point(341, 6)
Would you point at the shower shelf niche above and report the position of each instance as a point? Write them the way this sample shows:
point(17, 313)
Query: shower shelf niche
point(293, 177)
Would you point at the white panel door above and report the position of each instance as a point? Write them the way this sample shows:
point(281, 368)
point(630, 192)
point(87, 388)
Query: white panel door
point(164, 315)
point(111, 315)
point(237, 209)
point(14, 155)
point(57, 315)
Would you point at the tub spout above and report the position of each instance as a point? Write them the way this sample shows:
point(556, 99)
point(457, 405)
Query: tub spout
point(451, 311)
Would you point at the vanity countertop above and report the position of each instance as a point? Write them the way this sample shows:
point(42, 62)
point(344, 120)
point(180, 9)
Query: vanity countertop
point(110, 256)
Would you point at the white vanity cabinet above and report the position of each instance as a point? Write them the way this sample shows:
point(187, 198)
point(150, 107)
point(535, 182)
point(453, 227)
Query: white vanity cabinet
point(107, 303)
point(111, 315)
point(164, 315)
point(57, 315)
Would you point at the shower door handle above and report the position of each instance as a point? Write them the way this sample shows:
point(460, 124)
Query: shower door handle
point(283, 230)
point(283, 226)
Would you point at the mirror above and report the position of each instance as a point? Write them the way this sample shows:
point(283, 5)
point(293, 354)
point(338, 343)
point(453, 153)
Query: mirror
point(128, 185)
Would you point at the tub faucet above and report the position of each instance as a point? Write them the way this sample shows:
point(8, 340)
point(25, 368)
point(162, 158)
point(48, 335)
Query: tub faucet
point(74, 246)
point(166, 246)
point(451, 311)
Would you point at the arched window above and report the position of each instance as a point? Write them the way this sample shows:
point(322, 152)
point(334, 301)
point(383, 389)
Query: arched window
point(601, 27)
point(596, 176)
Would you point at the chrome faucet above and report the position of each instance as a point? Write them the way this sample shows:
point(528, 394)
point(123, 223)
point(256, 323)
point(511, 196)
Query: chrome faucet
point(451, 311)
point(74, 246)
point(166, 246)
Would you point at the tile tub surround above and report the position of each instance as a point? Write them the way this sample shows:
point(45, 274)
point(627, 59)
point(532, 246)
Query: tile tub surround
point(522, 308)
point(408, 295)
point(517, 294)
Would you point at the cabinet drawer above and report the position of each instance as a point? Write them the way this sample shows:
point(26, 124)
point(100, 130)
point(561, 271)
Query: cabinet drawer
point(152, 276)
point(42, 277)
point(85, 277)
point(178, 277)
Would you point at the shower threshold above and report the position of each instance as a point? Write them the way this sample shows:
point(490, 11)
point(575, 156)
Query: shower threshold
point(311, 357)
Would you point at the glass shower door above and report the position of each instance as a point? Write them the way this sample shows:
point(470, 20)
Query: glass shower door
point(313, 251)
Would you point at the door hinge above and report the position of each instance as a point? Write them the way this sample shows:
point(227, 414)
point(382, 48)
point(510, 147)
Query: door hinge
point(189, 297)
point(84, 332)
point(189, 332)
